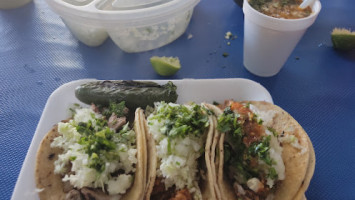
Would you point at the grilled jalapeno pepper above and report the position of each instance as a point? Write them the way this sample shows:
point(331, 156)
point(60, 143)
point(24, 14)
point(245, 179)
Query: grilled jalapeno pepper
point(134, 93)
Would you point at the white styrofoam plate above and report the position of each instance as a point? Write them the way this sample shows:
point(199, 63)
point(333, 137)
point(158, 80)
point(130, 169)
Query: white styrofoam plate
point(197, 90)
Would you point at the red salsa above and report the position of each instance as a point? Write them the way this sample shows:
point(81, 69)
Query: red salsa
point(286, 9)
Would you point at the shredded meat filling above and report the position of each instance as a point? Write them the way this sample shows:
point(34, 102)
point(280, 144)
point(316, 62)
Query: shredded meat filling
point(183, 194)
point(67, 186)
point(250, 126)
point(251, 195)
point(160, 193)
point(115, 122)
point(91, 194)
point(73, 195)
point(253, 132)
point(88, 194)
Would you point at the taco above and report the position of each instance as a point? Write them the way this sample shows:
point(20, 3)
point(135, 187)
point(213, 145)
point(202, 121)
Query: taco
point(263, 153)
point(179, 144)
point(96, 154)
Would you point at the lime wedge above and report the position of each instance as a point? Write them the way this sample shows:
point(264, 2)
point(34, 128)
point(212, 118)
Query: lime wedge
point(343, 39)
point(165, 66)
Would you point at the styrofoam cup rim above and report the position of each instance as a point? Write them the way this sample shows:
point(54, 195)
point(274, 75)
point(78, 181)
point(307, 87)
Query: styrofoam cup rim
point(252, 15)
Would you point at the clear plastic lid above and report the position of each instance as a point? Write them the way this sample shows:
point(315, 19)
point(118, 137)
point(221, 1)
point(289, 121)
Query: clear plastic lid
point(136, 4)
point(106, 12)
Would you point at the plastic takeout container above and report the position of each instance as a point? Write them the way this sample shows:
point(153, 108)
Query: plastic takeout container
point(11, 4)
point(269, 41)
point(134, 25)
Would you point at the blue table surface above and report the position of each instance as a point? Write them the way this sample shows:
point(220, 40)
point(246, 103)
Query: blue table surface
point(316, 86)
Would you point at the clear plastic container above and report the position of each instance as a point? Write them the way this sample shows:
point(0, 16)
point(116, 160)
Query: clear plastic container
point(134, 25)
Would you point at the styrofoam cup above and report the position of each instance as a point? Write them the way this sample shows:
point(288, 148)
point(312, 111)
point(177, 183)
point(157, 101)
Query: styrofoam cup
point(10, 4)
point(269, 41)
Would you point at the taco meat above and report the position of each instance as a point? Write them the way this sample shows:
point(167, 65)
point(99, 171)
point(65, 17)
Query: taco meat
point(179, 133)
point(160, 193)
point(260, 149)
point(92, 156)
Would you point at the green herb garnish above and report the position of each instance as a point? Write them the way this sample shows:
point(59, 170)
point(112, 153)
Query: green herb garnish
point(99, 142)
point(272, 173)
point(257, 4)
point(229, 121)
point(261, 150)
point(117, 108)
point(181, 120)
point(237, 155)
point(273, 131)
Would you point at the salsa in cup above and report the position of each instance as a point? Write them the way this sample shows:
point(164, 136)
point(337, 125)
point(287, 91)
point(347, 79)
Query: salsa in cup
point(287, 9)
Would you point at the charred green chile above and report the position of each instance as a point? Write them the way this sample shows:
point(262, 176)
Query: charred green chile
point(134, 93)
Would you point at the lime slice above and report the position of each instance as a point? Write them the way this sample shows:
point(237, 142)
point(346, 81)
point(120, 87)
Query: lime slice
point(343, 39)
point(165, 66)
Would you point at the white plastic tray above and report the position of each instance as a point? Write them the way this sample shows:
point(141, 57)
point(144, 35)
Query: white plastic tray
point(56, 109)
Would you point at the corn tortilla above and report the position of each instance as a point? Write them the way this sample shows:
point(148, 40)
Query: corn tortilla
point(50, 185)
point(299, 165)
point(208, 186)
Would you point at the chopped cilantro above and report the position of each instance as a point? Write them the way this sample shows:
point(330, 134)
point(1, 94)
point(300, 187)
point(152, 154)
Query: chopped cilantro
point(261, 150)
point(117, 108)
point(273, 131)
point(181, 120)
point(248, 105)
point(239, 157)
point(272, 173)
point(99, 142)
point(287, 2)
point(258, 3)
point(73, 108)
point(260, 121)
point(229, 121)
point(96, 163)
point(227, 153)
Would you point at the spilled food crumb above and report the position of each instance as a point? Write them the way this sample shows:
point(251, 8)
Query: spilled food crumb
point(229, 36)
